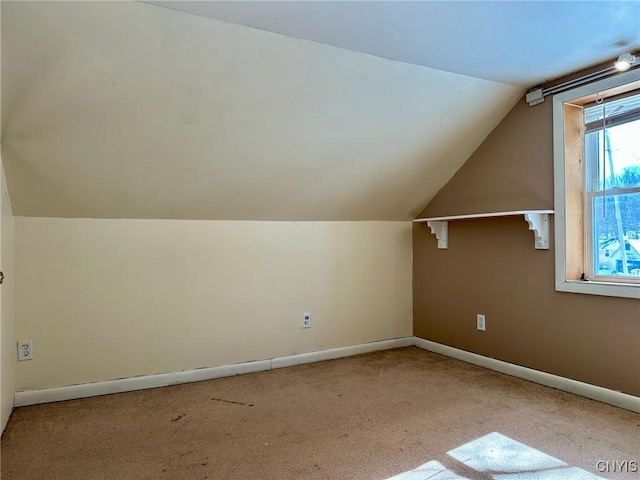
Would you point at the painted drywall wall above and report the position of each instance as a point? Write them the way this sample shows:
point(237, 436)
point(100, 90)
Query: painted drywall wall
point(511, 170)
point(105, 299)
point(491, 267)
point(7, 327)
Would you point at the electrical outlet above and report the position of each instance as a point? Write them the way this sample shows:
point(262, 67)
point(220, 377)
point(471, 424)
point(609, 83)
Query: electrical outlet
point(306, 320)
point(25, 350)
point(480, 322)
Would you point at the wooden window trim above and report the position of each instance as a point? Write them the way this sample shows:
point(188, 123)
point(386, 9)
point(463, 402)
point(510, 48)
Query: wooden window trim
point(569, 170)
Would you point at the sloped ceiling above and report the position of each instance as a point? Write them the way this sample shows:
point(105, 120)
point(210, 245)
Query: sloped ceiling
point(129, 110)
point(126, 109)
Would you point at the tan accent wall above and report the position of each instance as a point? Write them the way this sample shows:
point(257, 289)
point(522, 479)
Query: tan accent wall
point(511, 170)
point(491, 267)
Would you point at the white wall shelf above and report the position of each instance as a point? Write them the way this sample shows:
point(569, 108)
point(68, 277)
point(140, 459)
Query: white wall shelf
point(538, 221)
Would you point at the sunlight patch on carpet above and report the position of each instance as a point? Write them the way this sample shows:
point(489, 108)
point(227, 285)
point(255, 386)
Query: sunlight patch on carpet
point(432, 470)
point(499, 457)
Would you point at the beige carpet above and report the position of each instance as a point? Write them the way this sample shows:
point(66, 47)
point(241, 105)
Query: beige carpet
point(373, 416)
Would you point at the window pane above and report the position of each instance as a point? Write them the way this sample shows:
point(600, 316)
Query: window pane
point(625, 154)
point(621, 165)
point(621, 220)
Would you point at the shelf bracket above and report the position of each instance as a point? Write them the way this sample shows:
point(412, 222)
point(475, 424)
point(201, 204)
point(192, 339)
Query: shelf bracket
point(539, 224)
point(439, 229)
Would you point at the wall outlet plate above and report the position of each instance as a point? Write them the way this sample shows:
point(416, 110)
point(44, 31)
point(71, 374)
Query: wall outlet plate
point(25, 350)
point(480, 322)
point(306, 320)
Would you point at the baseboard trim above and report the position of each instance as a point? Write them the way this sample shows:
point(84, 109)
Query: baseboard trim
point(333, 353)
point(71, 392)
point(85, 390)
point(612, 397)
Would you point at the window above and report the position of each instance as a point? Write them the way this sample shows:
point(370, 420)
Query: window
point(612, 189)
point(597, 187)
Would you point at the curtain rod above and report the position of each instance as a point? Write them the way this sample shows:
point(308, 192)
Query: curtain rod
point(536, 95)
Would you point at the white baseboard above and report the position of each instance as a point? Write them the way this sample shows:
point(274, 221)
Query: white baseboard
point(34, 397)
point(332, 353)
point(612, 397)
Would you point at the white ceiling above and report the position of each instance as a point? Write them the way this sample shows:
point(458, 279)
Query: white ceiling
point(516, 42)
point(125, 109)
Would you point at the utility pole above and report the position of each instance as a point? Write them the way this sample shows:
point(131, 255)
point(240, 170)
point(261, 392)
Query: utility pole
point(616, 204)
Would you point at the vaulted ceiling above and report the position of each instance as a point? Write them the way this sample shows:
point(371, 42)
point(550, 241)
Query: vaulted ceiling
point(134, 110)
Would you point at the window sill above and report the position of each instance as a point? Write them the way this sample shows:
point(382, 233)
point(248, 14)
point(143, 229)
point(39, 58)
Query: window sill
point(623, 290)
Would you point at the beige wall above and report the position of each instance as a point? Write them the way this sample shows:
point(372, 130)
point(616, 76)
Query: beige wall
point(7, 327)
point(105, 299)
point(491, 267)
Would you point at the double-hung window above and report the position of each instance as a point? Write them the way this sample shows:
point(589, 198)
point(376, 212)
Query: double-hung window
point(597, 187)
point(612, 189)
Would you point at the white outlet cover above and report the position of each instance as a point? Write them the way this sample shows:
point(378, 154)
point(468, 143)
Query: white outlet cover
point(480, 322)
point(306, 320)
point(25, 350)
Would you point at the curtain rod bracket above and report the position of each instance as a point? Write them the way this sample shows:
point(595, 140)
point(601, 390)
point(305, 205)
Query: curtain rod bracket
point(535, 96)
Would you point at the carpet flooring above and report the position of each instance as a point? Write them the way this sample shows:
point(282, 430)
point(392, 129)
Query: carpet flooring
point(369, 417)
